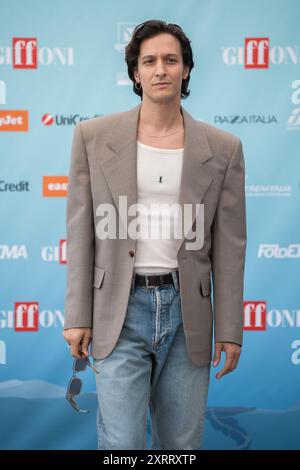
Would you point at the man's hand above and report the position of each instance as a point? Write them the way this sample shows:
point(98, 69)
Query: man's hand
point(232, 351)
point(79, 340)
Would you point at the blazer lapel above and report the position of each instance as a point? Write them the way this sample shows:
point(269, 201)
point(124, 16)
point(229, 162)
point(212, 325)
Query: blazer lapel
point(120, 168)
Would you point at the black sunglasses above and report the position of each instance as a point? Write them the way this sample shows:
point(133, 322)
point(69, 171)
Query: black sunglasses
point(75, 383)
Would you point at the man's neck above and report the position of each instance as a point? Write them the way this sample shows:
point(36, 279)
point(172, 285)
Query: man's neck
point(160, 118)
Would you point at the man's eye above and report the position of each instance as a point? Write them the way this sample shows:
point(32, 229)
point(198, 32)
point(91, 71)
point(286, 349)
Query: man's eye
point(150, 60)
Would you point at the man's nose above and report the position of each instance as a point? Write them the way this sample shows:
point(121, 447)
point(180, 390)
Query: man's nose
point(160, 69)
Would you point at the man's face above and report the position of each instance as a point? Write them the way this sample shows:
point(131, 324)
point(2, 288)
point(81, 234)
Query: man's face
point(160, 60)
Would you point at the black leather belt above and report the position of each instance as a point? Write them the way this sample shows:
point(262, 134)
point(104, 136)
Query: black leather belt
point(154, 280)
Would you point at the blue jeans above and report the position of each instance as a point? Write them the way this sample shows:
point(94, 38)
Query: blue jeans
point(149, 365)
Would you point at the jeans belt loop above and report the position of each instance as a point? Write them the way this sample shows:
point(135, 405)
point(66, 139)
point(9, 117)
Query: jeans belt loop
point(132, 288)
point(175, 280)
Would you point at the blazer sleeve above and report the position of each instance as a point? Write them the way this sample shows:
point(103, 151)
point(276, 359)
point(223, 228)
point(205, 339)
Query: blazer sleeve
point(228, 252)
point(80, 238)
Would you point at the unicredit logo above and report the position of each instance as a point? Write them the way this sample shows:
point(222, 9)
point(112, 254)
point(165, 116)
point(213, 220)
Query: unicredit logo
point(63, 120)
point(47, 119)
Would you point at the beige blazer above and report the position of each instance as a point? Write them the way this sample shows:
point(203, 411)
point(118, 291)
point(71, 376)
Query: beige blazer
point(99, 272)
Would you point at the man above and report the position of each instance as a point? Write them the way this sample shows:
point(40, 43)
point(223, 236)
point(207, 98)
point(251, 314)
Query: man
point(145, 303)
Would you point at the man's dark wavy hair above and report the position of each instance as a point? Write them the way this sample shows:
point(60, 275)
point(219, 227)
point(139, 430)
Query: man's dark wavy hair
point(151, 28)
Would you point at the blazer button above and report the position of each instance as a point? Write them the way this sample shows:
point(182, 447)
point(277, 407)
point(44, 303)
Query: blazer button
point(131, 253)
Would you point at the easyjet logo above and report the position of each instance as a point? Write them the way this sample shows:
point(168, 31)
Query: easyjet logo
point(14, 120)
point(55, 186)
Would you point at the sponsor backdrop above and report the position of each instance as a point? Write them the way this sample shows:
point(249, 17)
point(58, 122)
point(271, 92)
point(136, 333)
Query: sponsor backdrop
point(62, 62)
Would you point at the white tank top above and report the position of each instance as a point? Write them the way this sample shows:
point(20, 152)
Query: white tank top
point(158, 182)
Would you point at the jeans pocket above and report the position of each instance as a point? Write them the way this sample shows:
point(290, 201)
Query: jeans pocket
point(97, 362)
point(131, 293)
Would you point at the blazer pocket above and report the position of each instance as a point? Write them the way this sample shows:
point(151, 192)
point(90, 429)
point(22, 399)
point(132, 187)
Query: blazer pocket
point(205, 286)
point(98, 276)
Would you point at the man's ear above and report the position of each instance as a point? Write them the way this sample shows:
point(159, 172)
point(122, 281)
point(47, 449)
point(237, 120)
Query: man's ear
point(136, 75)
point(185, 72)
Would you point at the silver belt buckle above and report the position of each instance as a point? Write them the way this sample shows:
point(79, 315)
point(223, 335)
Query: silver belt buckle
point(147, 281)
